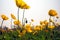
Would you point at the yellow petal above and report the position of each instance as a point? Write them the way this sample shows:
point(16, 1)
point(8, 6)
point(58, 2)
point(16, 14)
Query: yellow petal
point(52, 12)
point(13, 17)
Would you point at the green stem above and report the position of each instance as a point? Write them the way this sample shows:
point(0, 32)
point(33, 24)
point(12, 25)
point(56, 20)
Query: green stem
point(18, 15)
point(2, 24)
point(23, 18)
point(11, 23)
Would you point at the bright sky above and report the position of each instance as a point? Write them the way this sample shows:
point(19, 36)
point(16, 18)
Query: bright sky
point(38, 11)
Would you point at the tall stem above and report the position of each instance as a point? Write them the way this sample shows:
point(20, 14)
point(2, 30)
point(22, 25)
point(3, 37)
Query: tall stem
point(11, 23)
point(18, 15)
point(23, 18)
point(49, 19)
point(2, 24)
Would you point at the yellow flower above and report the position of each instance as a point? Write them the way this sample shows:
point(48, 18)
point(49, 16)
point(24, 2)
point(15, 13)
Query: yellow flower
point(37, 28)
point(26, 7)
point(17, 22)
point(41, 22)
point(52, 12)
point(51, 27)
point(21, 4)
point(4, 17)
point(18, 3)
point(45, 22)
point(28, 28)
point(13, 17)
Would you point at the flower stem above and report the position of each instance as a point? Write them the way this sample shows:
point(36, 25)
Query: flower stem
point(2, 24)
point(18, 15)
point(11, 23)
point(23, 18)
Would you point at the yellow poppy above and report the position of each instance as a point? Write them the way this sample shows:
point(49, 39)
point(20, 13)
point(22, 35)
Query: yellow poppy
point(37, 28)
point(26, 7)
point(41, 22)
point(13, 17)
point(46, 22)
point(28, 28)
point(51, 26)
point(21, 4)
point(18, 3)
point(4, 17)
point(17, 22)
point(52, 12)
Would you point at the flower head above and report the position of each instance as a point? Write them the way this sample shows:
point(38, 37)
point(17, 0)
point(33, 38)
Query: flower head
point(52, 12)
point(18, 3)
point(37, 28)
point(21, 4)
point(13, 17)
point(4, 17)
point(28, 28)
point(17, 22)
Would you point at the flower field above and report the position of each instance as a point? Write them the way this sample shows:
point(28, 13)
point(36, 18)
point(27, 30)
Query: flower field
point(46, 30)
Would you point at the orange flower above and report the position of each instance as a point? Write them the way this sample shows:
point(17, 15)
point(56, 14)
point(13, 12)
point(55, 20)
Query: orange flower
point(28, 28)
point(21, 4)
point(37, 28)
point(45, 22)
point(41, 22)
point(4, 17)
point(18, 3)
point(25, 6)
point(13, 17)
point(52, 12)
point(16, 22)
point(51, 27)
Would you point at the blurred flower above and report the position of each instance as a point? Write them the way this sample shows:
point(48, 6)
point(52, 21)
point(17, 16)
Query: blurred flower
point(21, 4)
point(41, 22)
point(37, 28)
point(4, 17)
point(51, 26)
point(25, 6)
point(13, 17)
point(18, 3)
point(28, 28)
point(52, 12)
point(17, 22)
point(45, 22)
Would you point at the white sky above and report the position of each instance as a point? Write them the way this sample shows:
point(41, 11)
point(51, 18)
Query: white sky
point(38, 11)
